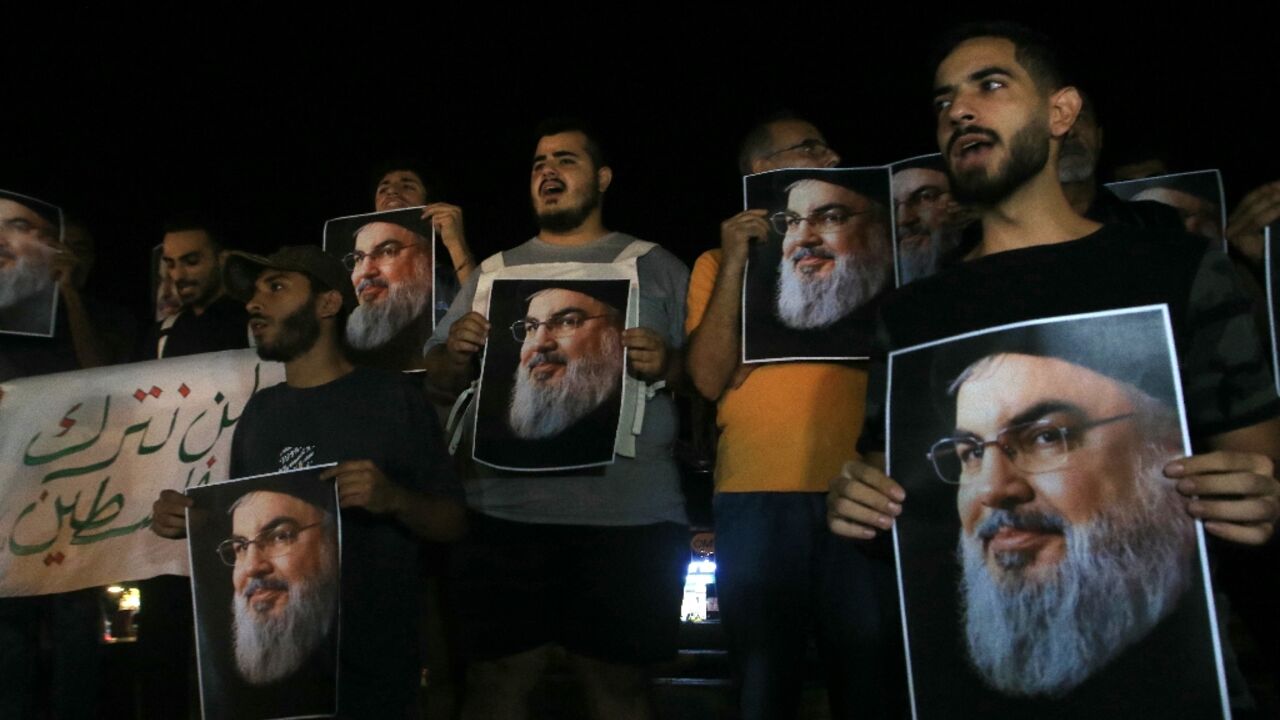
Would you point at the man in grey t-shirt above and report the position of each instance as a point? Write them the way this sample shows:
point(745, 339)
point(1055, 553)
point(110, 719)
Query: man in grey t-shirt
point(592, 561)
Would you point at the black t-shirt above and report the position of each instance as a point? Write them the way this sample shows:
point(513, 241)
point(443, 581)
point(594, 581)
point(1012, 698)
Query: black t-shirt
point(1226, 378)
point(364, 415)
point(224, 325)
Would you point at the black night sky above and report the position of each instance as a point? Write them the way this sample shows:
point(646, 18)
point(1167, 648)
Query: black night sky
point(272, 127)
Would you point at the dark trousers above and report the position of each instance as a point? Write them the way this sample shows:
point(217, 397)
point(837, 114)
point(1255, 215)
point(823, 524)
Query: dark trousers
point(782, 578)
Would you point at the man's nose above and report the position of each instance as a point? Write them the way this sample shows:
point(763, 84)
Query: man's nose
point(907, 212)
point(961, 110)
point(1003, 485)
point(808, 235)
point(542, 338)
point(366, 267)
point(254, 562)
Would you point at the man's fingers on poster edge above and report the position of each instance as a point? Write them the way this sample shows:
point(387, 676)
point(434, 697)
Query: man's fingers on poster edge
point(845, 528)
point(856, 472)
point(641, 338)
point(1245, 510)
point(846, 514)
point(1237, 483)
point(1220, 461)
point(1257, 534)
point(1259, 208)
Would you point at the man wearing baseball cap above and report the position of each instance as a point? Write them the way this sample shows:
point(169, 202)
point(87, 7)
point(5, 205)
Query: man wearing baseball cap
point(394, 479)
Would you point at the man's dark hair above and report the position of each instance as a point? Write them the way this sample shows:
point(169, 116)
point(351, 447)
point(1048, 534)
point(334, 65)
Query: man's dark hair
point(430, 183)
point(1034, 51)
point(557, 125)
point(759, 139)
point(194, 222)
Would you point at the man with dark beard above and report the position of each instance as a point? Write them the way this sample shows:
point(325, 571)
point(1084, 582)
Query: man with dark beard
point(1002, 112)
point(591, 561)
point(570, 362)
point(209, 321)
point(328, 410)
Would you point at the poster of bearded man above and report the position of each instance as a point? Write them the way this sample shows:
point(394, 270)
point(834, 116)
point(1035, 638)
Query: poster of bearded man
point(265, 556)
point(1047, 567)
point(551, 380)
point(1198, 196)
point(809, 288)
point(927, 221)
point(392, 259)
point(30, 238)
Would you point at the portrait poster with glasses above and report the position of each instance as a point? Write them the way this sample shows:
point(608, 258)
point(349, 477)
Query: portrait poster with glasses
point(1197, 196)
point(927, 221)
point(552, 376)
point(30, 240)
point(392, 258)
point(809, 287)
point(1046, 566)
point(265, 555)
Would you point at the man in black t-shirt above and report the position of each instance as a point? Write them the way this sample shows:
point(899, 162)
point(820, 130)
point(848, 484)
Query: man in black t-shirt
point(1002, 112)
point(393, 476)
point(209, 320)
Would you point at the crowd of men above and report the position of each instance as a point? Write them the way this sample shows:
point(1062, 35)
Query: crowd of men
point(592, 563)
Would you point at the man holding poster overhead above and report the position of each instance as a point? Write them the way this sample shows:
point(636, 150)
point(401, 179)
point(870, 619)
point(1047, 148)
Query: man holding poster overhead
point(781, 578)
point(589, 560)
point(1003, 109)
point(394, 480)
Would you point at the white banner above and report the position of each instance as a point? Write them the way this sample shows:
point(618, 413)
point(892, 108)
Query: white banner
point(83, 455)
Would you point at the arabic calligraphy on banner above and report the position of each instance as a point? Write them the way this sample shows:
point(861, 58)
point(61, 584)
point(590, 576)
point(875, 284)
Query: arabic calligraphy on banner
point(84, 454)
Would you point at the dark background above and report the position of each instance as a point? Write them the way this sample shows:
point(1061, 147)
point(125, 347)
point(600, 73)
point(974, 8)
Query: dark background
point(272, 125)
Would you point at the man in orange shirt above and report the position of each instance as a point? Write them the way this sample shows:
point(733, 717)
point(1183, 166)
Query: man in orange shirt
point(784, 429)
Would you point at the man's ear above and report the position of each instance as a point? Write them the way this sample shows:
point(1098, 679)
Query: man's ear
point(328, 304)
point(1064, 107)
point(604, 176)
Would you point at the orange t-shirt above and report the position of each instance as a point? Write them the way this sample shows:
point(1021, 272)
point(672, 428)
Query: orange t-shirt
point(790, 426)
